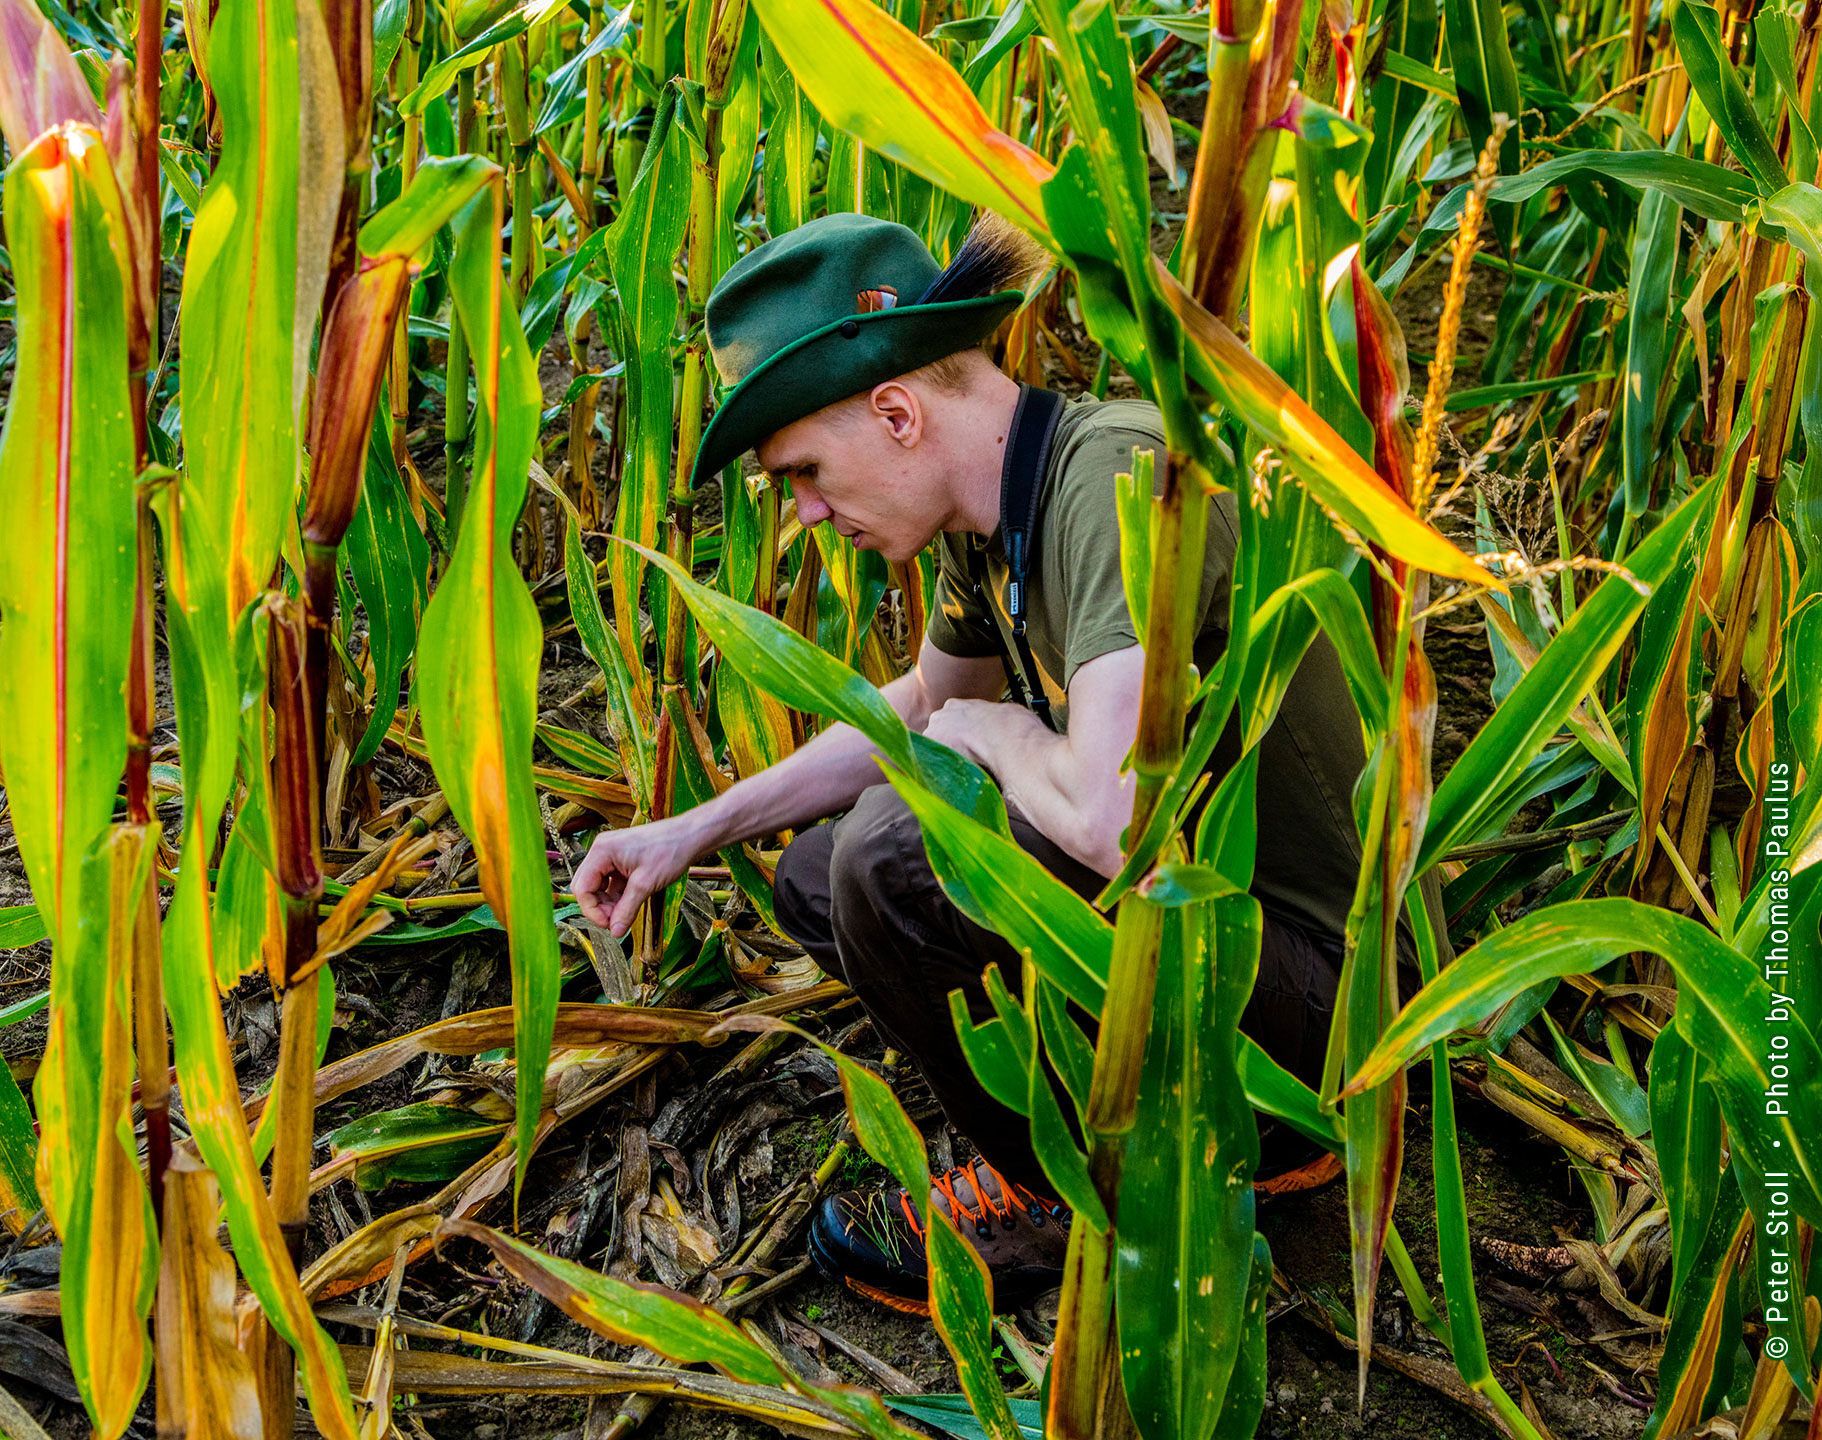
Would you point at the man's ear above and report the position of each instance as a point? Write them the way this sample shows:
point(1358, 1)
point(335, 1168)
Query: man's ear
point(895, 405)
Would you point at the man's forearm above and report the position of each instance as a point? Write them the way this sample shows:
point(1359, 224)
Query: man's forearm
point(1040, 777)
point(820, 778)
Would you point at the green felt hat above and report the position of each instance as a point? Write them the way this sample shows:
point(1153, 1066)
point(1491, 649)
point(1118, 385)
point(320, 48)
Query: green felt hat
point(793, 325)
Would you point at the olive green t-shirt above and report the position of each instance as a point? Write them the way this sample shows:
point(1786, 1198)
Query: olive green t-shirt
point(1308, 852)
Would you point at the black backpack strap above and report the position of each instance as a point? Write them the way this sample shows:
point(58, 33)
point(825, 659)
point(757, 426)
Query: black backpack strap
point(1034, 424)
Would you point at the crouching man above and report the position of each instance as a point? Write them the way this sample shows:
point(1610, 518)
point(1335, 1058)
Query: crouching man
point(860, 381)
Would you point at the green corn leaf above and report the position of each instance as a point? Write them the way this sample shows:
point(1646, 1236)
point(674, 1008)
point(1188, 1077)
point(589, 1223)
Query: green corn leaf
point(1797, 210)
point(439, 190)
point(994, 1056)
point(253, 282)
point(632, 735)
point(1486, 84)
point(694, 787)
point(419, 1143)
point(1712, 76)
point(630, 1312)
point(1619, 1094)
point(1567, 669)
point(785, 665)
point(563, 91)
point(478, 657)
point(998, 885)
point(1723, 1010)
point(1686, 1130)
point(790, 146)
point(1704, 1319)
point(1474, 399)
point(1775, 32)
point(642, 244)
point(390, 561)
point(390, 18)
point(1273, 1090)
point(66, 462)
point(20, 925)
point(952, 1415)
point(1185, 1259)
point(1014, 25)
point(1304, 230)
point(1245, 1399)
point(1711, 191)
point(212, 1101)
point(1654, 255)
point(1398, 94)
point(1465, 1327)
point(1336, 606)
point(441, 75)
point(958, 1277)
point(19, 1198)
point(24, 1009)
point(583, 752)
point(238, 924)
point(83, 1091)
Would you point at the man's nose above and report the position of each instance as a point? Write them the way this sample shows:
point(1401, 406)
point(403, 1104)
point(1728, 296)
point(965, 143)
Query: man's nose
point(812, 509)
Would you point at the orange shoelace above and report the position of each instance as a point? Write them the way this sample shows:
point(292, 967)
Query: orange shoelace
point(960, 1209)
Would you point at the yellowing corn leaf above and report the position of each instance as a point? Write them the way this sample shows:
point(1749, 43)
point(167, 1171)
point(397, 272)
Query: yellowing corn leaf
point(40, 86)
point(212, 1104)
point(66, 467)
point(84, 1093)
point(871, 76)
point(254, 276)
point(252, 285)
point(202, 1375)
point(478, 654)
point(1325, 463)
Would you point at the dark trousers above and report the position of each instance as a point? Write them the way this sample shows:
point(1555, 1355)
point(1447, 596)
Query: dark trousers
point(858, 894)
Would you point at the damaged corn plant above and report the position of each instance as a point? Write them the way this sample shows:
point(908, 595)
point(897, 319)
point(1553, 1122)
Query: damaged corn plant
point(356, 370)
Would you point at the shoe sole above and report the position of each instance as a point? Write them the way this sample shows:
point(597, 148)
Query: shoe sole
point(1010, 1291)
point(828, 1267)
point(1306, 1177)
point(920, 1308)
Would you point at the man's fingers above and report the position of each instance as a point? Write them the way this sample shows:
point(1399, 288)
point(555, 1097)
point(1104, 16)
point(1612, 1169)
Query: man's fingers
point(638, 890)
point(597, 872)
point(592, 909)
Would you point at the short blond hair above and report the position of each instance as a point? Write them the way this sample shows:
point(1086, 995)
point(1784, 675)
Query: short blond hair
point(951, 374)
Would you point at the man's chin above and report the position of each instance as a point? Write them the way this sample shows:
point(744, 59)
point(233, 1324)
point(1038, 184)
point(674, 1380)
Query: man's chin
point(893, 552)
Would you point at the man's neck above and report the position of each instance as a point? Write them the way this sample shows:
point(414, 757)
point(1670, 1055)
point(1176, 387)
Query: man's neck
point(976, 441)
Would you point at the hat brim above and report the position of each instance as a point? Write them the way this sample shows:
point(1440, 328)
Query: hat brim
point(829, 364)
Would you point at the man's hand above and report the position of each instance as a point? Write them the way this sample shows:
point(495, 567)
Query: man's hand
point(625, 868)
point(1070, 786)
point(963, 725)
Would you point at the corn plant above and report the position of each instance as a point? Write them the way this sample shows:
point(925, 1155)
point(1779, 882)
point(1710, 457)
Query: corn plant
point(331, 497)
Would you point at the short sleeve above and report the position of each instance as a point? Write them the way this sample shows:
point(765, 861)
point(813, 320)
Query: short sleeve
point(960, 623)
point(1096, 617)
point(1086, 567)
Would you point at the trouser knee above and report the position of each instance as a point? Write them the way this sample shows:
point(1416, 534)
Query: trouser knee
point(800, 895)
point(886, 907)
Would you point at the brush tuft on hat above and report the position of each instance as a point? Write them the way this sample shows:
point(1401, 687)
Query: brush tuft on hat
point(995, 256)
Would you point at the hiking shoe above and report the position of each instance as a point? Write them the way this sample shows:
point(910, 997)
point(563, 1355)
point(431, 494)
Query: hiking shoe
point(873, 1242)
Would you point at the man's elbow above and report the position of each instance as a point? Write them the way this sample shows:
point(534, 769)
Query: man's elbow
point(1097, 839)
